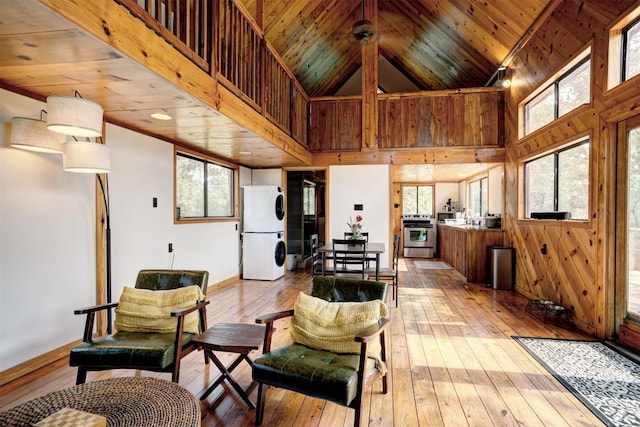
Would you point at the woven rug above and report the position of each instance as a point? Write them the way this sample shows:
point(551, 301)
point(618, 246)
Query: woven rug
point(125, 402)
point(431, 265)
point(603, 379)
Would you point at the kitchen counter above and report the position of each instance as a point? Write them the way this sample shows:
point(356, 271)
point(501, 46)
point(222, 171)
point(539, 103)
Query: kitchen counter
point(464, 247)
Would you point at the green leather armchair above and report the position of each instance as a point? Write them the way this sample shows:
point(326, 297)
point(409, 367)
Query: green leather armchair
point(159, 352)
point(336, 377)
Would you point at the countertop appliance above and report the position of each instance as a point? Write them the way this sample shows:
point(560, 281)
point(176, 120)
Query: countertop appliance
point(418, 236)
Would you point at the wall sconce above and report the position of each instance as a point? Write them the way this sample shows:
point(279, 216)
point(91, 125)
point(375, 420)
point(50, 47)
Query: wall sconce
point(503, 78)
point(74, 115)
point(33, 135)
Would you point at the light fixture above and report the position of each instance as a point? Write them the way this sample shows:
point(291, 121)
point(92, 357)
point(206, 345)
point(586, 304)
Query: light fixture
point(503, 78)
point(74, 115)
point(161, 116)
point(33, 135)
point(85, 157)
point(93, 157)
point(363, 30)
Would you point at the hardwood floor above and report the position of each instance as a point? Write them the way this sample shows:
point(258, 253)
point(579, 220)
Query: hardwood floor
point(452, 361)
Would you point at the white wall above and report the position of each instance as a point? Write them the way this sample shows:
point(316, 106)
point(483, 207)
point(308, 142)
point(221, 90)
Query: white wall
point(443, 192)
point(47, 234)
point(367, 185)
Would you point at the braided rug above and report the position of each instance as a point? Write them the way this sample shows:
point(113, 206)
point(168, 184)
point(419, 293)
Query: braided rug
point(127, 401)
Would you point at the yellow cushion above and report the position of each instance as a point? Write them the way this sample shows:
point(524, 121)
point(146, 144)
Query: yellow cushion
point(332, 326)
point(144, 310)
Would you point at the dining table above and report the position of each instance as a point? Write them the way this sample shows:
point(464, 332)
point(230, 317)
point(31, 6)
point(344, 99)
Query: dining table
point(373, 251)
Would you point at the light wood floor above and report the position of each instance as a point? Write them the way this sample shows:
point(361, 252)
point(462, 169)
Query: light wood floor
point(452, 361)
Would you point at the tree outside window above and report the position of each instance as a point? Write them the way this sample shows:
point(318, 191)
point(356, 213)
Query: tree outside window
point(203, 189)
point(417, 200)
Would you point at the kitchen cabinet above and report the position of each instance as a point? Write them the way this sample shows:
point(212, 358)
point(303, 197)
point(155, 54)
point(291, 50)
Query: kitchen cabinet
point(464, 247)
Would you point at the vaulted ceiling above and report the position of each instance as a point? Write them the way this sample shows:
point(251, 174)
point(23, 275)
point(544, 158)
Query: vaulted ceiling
point(436, 44)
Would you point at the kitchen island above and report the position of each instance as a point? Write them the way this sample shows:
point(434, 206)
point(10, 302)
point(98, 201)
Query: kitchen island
point(464, 247)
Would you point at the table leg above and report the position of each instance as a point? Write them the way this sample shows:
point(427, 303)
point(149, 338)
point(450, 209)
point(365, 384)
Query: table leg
point(225, 373)
point(324, 261)
point(377, 267)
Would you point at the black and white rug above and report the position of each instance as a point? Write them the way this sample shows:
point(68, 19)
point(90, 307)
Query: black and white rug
point(603, 379)
point(432, 265)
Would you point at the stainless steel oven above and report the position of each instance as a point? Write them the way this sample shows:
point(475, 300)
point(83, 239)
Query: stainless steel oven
point(419, 237)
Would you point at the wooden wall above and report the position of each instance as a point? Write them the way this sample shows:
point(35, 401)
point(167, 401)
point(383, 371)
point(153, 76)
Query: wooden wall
point(576, 270)
point(435, 119)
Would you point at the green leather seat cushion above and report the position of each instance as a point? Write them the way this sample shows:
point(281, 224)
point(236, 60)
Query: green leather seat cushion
point(127, 350)
point(316, 373)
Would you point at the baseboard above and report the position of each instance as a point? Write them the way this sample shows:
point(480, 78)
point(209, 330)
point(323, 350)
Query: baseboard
point(36, 363)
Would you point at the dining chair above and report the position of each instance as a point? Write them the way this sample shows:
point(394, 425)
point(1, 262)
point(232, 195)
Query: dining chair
point(390, 274)
point(316, 259)
point(349, 258)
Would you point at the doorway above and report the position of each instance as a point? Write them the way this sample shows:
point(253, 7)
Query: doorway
point(627, 300)
point(305, 211)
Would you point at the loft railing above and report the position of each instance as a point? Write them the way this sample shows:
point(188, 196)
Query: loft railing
point(183, 23)
point(221, 38)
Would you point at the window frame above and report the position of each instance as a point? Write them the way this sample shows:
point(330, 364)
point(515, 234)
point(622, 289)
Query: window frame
point(207, 160)
point(584, 139)
point(615, 63)
point(416, 185)
point(554, 84)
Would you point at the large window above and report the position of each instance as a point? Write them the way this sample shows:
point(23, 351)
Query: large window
point(478, 197)
point(559, 181)
point(203, 189)
point(564, 94)
point(417, 200)
point(631, 50)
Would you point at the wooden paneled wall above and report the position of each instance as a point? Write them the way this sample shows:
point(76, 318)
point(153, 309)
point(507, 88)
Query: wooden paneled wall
point(435, 119)
point(575, 270)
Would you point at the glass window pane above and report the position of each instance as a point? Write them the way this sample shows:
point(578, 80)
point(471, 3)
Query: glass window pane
point(632, 46)
point(633, 224)
point(425, 200)
point(474, 199)
point(219, 191)
point(409, 200)
point(484, 196)
point(540, 110)
point(190, 187)
point(574, 89)
point(309, 200)
point(539, 185)
point(573, 181)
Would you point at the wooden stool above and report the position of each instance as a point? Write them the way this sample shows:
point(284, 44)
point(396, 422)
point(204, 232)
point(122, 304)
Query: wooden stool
point(239, 338)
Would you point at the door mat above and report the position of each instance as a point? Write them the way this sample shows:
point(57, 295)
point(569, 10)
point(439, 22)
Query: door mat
point(432, 265)
point(604, 380)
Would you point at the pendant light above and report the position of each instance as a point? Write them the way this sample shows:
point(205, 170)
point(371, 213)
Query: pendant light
point(33, 135)
point(74, 115)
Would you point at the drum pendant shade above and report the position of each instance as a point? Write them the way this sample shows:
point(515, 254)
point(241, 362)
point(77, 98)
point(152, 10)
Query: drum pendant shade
point(74, 116)
point(33, 135)
point(85, 157)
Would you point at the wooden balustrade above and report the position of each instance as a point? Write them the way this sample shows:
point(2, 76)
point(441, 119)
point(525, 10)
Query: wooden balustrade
point(222, 31)
point(183, 23)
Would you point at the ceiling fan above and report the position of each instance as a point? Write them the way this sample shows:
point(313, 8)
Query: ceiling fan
point(364, 29)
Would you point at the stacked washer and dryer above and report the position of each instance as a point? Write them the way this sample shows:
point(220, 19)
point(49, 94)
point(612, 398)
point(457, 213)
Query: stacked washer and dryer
point(263, 250)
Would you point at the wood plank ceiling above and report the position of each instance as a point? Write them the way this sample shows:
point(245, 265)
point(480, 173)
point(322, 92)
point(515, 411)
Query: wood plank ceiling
point(435, 44)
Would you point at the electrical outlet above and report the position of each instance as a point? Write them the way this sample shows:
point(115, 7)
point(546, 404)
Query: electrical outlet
point(543, 249)
point(170, 247)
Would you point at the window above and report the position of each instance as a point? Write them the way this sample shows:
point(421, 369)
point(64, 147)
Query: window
point(309, 199)
point(203, 189)
point(565, 94)
point(478, 197)
point(631, 50)
point(417, 200)
point(559, 181)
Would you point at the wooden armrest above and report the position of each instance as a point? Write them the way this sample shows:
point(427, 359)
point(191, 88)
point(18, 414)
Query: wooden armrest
point(94, 308)
point(271, 317)
point(186, 310)
point(372, 331)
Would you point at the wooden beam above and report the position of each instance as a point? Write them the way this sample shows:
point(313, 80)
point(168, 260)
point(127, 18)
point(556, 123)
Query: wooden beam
point(370, 81)
point(411, 156)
